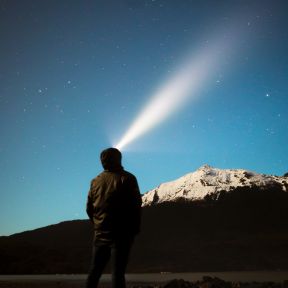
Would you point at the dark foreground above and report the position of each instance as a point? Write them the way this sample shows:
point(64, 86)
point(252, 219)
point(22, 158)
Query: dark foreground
point(206, 282)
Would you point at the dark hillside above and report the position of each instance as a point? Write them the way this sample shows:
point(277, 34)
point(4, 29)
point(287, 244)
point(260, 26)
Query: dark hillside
point(242, 230)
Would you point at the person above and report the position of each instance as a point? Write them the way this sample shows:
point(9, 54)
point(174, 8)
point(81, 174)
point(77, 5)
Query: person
point(114, 206)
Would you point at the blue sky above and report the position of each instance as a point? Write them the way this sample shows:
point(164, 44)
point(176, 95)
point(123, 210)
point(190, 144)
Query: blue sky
point(75, 74)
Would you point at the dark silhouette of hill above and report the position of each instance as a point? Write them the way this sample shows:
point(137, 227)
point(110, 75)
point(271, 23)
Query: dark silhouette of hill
point(245, 229)
point(60, 248)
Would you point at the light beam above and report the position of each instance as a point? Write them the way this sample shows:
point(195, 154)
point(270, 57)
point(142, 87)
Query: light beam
point(183, 86)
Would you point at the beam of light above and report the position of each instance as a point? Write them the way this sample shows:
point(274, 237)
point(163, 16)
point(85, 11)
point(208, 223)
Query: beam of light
point(182, 87)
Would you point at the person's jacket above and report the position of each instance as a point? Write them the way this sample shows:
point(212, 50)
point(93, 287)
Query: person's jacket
point(114, 205)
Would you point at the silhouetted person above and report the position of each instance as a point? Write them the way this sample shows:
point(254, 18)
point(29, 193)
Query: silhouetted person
point(114, 207)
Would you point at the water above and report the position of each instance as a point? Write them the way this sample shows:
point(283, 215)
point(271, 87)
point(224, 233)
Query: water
point(259, 276)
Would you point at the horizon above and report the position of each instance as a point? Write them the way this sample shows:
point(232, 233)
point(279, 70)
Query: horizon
point(75, 77)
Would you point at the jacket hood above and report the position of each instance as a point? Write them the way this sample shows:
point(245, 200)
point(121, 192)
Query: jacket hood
point(111, 159)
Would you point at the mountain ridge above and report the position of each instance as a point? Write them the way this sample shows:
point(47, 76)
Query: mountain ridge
point(207, 181)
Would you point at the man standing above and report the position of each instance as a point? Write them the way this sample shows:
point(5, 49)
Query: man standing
point(114, 206)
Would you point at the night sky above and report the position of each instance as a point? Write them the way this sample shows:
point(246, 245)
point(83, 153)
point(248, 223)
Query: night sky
point(75, 74)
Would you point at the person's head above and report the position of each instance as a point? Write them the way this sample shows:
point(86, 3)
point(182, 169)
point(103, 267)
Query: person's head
point(111, 159)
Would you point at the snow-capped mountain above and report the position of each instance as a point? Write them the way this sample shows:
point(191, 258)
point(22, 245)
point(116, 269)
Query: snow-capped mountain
point(207, 181)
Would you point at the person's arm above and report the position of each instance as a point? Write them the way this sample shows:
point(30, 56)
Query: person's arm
point(137, 203)
point(89, 204)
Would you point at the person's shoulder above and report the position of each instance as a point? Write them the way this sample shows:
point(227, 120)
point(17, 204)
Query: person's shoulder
point(97, 178)
point(128, 174)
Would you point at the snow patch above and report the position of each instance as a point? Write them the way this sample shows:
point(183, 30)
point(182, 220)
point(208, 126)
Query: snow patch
point(208, 180)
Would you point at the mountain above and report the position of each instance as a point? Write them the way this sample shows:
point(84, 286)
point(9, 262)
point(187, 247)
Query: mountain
point(211, 182)
point(208, 220)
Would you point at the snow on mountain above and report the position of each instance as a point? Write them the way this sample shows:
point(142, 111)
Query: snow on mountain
point(208, 180)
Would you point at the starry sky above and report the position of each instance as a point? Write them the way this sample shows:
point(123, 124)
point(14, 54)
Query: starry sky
point(75, 74)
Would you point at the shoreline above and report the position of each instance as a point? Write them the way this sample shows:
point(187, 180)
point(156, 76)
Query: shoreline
point(231, 276)
point(206, 282)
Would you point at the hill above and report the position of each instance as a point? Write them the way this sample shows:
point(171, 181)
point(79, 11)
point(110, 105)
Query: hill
point(240, 228)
